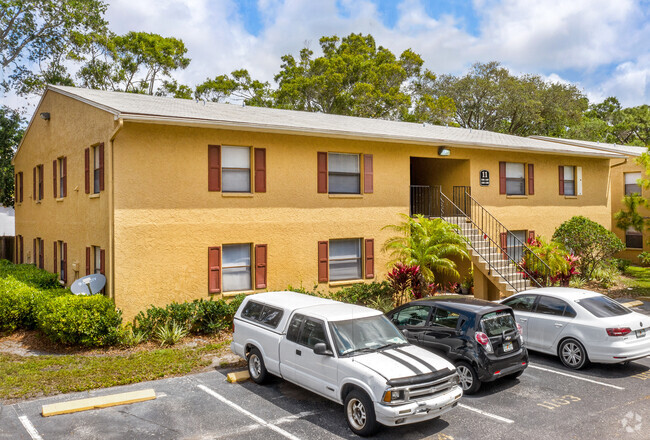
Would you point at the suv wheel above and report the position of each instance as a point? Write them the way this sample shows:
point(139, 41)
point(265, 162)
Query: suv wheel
point(573, 354)
point(468, 378)
point(256, 367)
point(360, 413)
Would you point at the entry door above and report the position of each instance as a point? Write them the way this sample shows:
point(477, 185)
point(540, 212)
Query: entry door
point(315, 372)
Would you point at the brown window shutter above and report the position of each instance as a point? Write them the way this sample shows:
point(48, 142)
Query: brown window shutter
point(503, 238)
point(102, 260)
point(561, 179)
point(41, 254)
point(34, 256)
point(16, 188)
point(260, 266)
point(367, 174)
point(87, 169)
point(502, 177)
point(41, 193)
point(322, 172)
point(531, 179)
point(370, 258)
point(65, 262)
point(64, 173)
point(88, 261)
point(21, 186)
point(17, 251)
point(55, 258)
point(22, 260)
point(531, 236)
point(260, 170)
point(54, 179)
point(214, 269)
point(34, 198)
point(214, 168)
point(323, 262)
point(101, 166)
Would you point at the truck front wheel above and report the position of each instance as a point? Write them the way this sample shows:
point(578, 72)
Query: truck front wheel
point(360, 413)
point(256, 367)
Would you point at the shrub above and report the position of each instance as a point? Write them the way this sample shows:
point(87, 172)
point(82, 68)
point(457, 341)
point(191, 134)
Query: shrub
point(606, 275)
point(406, 282)
point(19, 303)
point(362, 293)
point(621, 264)
point(29, 274)
point(129, 337)
point(589, 241)
point(644, 258)
point(215, 316)
point(171, 333)
point(549, 262)
point(80, 320)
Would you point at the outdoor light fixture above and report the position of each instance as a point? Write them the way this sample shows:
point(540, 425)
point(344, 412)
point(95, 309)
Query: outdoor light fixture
point(443, 151)
point(45, 115)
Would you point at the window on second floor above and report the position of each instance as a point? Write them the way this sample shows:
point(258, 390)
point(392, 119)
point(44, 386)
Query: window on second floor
point(632, 183)
point(236, 169)
point(96, 169)
point(344, 176)
point(515, 179)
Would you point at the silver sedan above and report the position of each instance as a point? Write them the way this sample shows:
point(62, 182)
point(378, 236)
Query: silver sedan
point(580, 326)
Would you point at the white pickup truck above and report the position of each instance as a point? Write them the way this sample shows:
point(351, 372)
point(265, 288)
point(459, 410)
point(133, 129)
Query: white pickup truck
point(347, 353)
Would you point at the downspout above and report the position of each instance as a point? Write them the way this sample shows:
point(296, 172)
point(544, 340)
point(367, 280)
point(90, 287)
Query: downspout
point(619, 164)
point(111, 209)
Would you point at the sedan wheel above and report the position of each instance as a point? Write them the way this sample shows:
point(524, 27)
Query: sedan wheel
point(468, 378)
point(573, 354)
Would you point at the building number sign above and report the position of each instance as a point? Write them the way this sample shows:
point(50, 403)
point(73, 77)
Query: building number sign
point(485, 178)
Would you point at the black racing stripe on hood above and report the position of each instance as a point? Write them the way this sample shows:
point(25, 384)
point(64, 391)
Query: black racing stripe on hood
point(412, 356)
point(408, 365)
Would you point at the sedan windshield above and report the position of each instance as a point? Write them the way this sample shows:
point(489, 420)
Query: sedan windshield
point(603, 307)
point(365, 334)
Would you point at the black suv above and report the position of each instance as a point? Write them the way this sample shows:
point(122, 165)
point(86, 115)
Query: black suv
point(481, 338)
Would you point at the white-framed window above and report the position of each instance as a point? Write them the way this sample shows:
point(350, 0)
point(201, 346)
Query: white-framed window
point(515, 179)
point(345, 259)
point(344, 175)
point(97, 258)
point(236, 169)
point(569, 181)
point(236, 267)
point(61, 258)
point(632, 183)
point(633, 238)
point(96, 169)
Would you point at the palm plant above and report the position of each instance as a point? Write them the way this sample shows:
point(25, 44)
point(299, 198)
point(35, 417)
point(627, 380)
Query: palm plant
point(427, 243)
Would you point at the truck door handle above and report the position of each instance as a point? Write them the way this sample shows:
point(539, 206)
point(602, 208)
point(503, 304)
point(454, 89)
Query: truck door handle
point(299, 353)
point(557, 324)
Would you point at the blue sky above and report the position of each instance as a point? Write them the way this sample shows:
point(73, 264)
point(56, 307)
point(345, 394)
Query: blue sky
point(603, 46)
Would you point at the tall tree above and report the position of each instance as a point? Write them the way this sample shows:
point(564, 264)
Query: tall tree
point(35, 36)
point(10, 135)
point(239, 85)
point(490, 98)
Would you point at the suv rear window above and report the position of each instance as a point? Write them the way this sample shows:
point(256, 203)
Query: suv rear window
point(495, 323)
point(267, 315)
point(603, 307)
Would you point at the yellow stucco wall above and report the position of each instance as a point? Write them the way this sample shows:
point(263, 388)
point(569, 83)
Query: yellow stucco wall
point(164, 217)
point(618, 193)
point(79, 219)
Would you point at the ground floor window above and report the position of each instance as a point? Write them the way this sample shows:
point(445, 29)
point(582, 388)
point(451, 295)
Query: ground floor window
point(633, 239)
point(97, 258)
point(345, 259)
point(62, 262)
point(237, 267)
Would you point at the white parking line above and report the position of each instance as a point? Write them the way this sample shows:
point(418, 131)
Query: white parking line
point(249, 414)
point(30, 428)
point(576, 377)
point(487, 414)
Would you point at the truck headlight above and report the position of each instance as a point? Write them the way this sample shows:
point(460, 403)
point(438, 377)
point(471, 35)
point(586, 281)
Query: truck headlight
point(391, 396)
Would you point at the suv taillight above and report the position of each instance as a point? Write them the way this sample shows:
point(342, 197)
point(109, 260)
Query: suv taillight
point(622, 331)
point(483, 339)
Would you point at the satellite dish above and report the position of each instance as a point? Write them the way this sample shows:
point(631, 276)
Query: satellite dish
point(88, 285)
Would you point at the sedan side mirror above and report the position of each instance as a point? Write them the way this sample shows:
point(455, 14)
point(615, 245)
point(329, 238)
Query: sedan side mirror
point(321, 349)
point(405, 332)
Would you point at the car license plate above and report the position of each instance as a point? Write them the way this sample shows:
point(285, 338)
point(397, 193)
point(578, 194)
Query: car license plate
point(507, 346)
point(641, 333)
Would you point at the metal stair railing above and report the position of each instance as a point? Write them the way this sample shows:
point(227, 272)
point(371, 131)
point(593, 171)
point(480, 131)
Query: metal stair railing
point(497, 257)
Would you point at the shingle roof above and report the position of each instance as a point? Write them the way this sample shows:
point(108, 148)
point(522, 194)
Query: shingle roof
point(628, 150)
point(156, 109)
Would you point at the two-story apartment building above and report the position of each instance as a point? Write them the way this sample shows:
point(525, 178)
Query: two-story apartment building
point(175, 200)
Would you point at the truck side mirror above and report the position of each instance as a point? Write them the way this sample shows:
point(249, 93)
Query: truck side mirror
point(321, 349)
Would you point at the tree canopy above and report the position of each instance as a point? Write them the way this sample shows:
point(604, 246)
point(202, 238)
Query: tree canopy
point(10, 135)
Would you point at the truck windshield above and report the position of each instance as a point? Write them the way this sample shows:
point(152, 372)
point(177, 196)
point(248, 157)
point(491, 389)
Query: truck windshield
point(365, 334)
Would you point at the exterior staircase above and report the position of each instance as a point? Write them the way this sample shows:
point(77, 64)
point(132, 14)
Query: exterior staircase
point(494, 250)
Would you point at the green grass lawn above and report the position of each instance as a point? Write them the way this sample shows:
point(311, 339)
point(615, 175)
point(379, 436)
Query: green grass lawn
point(28, 377)
point(638, 278)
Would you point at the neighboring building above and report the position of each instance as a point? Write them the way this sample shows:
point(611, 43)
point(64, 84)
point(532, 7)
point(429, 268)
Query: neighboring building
point(624, 177)
point(176, 200)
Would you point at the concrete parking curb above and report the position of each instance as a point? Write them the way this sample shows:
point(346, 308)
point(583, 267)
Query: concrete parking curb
point(238, 376)
point(632, 303)
point(97, 402)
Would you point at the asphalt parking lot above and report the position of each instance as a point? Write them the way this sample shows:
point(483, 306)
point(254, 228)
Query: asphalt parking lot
point(547, 401)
